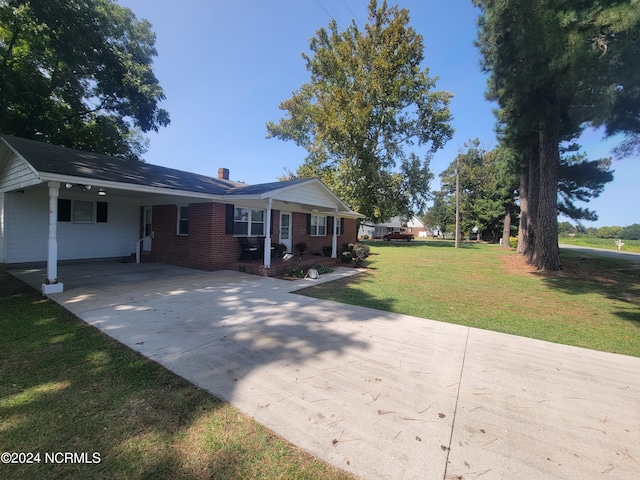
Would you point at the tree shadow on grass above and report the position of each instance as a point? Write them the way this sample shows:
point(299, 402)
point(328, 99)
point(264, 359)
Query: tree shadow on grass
point(67, 387)
point(584, 273)
point(421, 243)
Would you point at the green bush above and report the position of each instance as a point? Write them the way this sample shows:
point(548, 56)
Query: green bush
point(360, 252)
point(322, 269)
point(346, 257)
point(326, 251)
point(295, 272)
point(301, 247)
point(513, 242)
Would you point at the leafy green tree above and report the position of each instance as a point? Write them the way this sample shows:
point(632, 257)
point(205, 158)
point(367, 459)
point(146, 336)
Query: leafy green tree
point(631, 232)
point(557, 66)
point(566, 228)
point(486, 188)
point(610, 232)
point(368, 100)
point(442, 214)
point(78, 73)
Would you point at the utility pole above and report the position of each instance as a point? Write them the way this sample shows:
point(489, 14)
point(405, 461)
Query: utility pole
point(457, 201)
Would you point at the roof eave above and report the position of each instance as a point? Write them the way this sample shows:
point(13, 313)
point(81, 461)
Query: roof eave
point(94, 182)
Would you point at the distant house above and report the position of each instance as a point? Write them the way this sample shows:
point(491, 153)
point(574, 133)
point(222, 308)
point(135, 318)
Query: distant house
point(395, 224)
point(60, 204)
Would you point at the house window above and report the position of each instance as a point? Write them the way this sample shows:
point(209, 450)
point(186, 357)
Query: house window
point(248, 222)
point(318, 226)
point(339, 226)
point(82, 212)
point(183, 220)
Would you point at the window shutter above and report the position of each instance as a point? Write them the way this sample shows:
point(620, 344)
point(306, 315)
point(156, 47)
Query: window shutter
point(341, 226)
point(330, 226)
point(308, 224)
point(64, 210)
point(101, 212)
point(228, 226)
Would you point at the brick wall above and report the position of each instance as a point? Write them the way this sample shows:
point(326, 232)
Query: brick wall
point(315, 244)
point(208, 247)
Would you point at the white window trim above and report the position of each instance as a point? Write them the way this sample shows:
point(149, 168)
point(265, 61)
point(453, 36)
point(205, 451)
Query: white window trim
point(249, 221)
point(180, 207)
point(317, 225)
point(73, 211)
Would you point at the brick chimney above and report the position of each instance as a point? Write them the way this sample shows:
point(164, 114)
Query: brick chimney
point(223, 173)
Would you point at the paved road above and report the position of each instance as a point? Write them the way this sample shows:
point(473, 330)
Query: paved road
point(631, 256)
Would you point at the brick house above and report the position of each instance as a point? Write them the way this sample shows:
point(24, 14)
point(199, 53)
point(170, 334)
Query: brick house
point(60, 204)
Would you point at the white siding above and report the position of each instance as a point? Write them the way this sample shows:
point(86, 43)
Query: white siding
point(15, 173)
point(309, 195)
point(3, 253)
point(27, 229)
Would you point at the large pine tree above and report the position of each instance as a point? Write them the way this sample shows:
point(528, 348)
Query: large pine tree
point(557, 67)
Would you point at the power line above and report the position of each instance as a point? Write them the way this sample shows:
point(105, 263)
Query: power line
point(325, 10)
point(354, 15)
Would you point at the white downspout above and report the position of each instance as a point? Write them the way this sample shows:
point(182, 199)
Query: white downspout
point(267, 237)
point(51, 284)
point(334, 239)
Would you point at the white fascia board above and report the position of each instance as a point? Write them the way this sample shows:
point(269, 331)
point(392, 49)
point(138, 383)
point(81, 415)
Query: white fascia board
point(333, 196)
point(17, 154)
point(45, 177)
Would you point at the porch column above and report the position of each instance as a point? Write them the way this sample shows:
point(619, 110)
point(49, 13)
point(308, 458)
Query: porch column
point(51, 284)
point(267, 237)
point(334, 237)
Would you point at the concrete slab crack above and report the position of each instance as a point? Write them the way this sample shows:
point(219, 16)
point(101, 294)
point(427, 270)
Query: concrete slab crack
point(455, 409)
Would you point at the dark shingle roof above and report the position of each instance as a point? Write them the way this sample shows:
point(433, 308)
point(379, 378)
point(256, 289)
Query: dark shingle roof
point(47, 158)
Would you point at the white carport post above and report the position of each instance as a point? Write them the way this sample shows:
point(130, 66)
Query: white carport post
point(334, 237)
point(267, 237)
point(52, 285)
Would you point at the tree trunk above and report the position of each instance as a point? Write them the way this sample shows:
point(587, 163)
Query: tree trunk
point(546, 254)
point(533, 200)
point(523, 229)
point(506, 227)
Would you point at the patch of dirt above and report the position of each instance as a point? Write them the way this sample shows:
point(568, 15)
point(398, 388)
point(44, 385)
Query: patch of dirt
point(514, 264)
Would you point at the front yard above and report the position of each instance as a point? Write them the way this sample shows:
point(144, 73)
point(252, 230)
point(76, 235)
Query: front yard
point(593, 302)
point(65, 388)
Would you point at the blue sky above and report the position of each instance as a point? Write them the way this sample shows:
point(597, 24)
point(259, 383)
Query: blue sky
point(226, 66)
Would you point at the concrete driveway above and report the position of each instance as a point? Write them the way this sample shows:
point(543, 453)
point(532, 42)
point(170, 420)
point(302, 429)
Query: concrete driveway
point(381, 395)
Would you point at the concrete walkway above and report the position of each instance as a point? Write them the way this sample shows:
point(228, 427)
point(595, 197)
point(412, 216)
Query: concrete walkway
point(381, 395)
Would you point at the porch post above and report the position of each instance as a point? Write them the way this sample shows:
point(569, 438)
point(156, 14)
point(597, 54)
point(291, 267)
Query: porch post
point(267, 237)
point(334, 238)
point(51, 284)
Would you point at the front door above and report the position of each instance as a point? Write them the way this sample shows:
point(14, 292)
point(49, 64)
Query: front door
point(285, 230)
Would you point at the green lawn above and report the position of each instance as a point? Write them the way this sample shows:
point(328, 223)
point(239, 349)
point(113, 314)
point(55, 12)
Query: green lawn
point(66, 387)
point(593, 302)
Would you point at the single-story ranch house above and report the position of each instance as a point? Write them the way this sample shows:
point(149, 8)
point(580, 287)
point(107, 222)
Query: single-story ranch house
point(59, 204)
point(395, 224)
